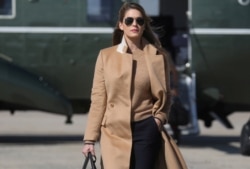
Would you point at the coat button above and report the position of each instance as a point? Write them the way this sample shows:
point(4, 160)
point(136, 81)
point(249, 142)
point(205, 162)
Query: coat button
point(111, 105)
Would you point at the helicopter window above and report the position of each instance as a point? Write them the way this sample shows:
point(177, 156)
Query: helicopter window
point(99, 10)
point(7, 10)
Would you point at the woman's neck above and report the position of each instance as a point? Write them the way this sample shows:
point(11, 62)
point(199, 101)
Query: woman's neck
point(134, 44)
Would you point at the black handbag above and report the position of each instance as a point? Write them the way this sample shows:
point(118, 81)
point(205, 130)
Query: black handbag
point(92, 160)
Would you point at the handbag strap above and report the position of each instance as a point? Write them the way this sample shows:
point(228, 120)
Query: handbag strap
point(92, 159)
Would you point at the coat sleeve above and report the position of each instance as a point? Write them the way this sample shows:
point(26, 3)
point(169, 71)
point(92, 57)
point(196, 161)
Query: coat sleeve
point(163, 113)
point(98, 102)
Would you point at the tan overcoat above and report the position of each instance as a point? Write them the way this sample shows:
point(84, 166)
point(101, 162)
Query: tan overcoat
point(109, 117)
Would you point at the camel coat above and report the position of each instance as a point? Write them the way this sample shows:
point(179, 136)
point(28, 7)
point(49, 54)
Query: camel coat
point(109, 117)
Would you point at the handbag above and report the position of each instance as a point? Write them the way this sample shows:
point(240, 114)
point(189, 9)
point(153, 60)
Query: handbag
point(92, 160)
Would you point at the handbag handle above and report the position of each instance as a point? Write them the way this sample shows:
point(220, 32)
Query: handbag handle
point(92, 159)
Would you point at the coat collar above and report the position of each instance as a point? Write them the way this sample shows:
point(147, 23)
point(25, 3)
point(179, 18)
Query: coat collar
point(122, 47)
point(147, 47)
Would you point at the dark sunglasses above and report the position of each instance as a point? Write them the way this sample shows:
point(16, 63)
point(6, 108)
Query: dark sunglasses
point(129, 20)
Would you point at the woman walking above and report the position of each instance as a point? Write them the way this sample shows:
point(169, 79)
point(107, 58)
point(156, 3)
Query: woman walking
point(130, 98)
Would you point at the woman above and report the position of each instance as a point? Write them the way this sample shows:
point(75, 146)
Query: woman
point(130, 97)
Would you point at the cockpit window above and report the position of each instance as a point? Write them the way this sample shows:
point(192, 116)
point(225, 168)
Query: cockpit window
point(99, 10)
point(7, 9)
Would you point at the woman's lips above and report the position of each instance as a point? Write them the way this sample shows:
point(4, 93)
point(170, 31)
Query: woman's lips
point(134, 30)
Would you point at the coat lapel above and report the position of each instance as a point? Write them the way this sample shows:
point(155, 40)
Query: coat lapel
point(156, 68)
point(155, 64)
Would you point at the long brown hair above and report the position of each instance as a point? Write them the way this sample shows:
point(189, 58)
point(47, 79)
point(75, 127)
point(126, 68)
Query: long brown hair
point(148, 33)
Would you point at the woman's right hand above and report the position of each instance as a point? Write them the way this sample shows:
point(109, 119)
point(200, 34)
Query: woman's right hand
point(88, 148)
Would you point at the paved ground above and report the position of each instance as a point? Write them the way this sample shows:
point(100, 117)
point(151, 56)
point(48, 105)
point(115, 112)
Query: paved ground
point(36, 140)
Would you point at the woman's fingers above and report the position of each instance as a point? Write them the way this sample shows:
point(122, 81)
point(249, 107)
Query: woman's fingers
point(88, 148)
point(158, 122)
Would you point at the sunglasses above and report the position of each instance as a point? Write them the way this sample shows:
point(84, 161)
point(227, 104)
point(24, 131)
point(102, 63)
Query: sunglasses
point(129, 20)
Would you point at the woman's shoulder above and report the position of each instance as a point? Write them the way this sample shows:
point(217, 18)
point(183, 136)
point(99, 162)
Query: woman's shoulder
point(108, 50)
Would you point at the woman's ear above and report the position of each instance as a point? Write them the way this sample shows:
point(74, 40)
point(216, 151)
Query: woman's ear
point(121, 26)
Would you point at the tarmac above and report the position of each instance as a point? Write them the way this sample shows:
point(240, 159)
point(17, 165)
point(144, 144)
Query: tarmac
point(40, 140)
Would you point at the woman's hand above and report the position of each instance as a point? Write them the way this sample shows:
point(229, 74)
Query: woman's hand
point(88, 148)
point(159, 123)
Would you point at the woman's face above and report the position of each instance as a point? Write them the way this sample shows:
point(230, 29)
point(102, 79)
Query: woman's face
point(132, 24)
